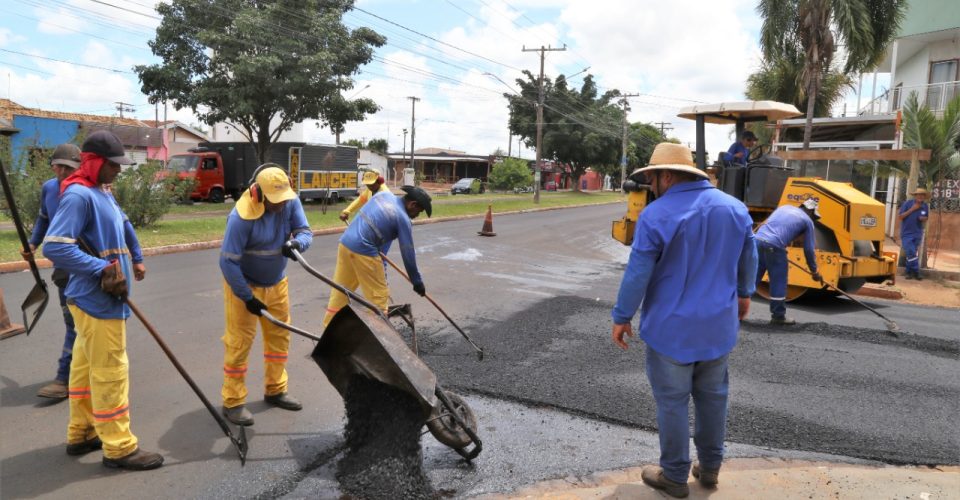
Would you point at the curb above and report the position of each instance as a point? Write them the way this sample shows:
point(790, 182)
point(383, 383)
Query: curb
point(880, 293)
point(21, 265)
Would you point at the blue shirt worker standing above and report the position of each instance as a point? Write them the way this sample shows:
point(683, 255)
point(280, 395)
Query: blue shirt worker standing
point(266, 224)
point(86, 239)
point(739, 152)
point(692, 268)
point(386, 217)
point(913, 213)
point(65, 160)
point(784, 225)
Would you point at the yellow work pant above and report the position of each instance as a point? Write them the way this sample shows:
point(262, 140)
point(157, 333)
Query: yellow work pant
point(241, 327)
point(99, 384)
point(355, 270)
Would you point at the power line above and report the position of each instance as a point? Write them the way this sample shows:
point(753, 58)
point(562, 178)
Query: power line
point(113, 70)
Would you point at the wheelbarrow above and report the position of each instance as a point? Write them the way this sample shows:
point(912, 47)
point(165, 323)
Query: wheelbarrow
point(361, 340)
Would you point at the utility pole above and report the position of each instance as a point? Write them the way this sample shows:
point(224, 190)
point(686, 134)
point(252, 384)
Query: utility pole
point(413, 132)
point(403, 154)
point(123, 106)
point(623, 158)
point(663, 128)
point(536, 177)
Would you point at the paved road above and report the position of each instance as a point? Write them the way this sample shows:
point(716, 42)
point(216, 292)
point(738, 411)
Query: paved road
point(536, 296)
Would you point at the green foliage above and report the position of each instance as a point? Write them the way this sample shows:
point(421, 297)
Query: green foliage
point(378, 145)
point(510, 173)
point(26, 179)
point(923, 130)
point(145, 195)
point(357, 143)
point(248, 63)
point(581, 128)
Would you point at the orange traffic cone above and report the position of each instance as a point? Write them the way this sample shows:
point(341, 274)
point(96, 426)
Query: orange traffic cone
point(488, 223)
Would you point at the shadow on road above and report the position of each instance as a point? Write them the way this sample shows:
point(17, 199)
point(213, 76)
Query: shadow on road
point(23, 478)
point(196, 437)
point(13, 394)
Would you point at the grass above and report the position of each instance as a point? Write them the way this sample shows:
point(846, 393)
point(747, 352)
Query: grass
point(205, 221)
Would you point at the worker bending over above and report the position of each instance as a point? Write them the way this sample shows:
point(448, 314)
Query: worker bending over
point(385, 218)
point(375, 184)
point(784, 225)
point(86, 239)
point(266, 224)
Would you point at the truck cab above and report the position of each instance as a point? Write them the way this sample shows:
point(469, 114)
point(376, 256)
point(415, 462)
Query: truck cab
point(205, 167)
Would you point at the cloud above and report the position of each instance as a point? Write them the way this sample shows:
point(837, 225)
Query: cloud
point(8, 38)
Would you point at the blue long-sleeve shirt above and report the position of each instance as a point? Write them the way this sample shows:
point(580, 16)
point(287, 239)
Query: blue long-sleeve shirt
point(911, 225)
point(50, 202)
point(786, 224)
point(382, 220)
point(93, 216)
point(735, 148)
point(693, 254)
point(251, 249)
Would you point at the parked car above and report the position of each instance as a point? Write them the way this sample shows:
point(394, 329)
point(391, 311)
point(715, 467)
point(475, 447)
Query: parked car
point(468, 185)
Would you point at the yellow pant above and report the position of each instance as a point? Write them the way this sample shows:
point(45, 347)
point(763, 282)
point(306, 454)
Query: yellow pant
point(355, 270)
point(99, 384)
point(241, 327)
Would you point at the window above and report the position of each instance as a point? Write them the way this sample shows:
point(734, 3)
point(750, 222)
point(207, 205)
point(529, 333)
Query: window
point(943, 86)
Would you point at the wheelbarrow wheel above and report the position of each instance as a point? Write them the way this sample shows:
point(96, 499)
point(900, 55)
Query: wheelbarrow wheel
point(446, 429)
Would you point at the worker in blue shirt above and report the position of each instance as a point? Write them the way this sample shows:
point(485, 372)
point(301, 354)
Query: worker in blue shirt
point(913, 213)
point(739, 152)
point(86, 239)
point(264, 226)
point(65, 160)
point(692, 268)
point(784, 225)
point(386, 217)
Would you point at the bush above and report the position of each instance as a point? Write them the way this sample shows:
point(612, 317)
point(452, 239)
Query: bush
point(146, 195)
point(26, 180)
point(511, 173)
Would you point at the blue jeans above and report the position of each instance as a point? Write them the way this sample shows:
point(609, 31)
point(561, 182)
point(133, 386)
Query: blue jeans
point(63, 370)
point(910, 244)
point(673, 384)
point(773, 260)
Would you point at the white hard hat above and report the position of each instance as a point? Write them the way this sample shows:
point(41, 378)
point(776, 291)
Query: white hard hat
point(812, 205)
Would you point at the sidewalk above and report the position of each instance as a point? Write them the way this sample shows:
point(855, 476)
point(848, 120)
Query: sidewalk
point(764, 478)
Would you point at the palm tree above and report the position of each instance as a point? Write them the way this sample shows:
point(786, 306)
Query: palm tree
point(817, 28)
point(923, 130)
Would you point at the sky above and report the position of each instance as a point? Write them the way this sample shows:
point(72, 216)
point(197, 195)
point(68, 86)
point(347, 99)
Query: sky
point(77, 55)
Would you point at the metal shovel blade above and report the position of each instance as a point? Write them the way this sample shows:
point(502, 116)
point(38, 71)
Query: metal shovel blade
point(360, 342)
point(34, 305)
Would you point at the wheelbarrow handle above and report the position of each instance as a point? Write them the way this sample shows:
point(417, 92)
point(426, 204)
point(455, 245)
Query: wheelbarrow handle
point(477, 444)
point(287, 326)
point(336, 286)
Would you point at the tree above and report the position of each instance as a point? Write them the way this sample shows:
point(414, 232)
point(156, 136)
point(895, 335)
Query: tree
point(378, 145)
point(357, 143)
point(815, 28)
point(260, 65)
point(581, 128)
point(342, 111)
point(511, 173)
point(923, 130)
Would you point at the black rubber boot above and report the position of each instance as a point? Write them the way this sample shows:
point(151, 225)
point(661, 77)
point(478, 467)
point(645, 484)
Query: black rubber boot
point(138, 460)
point(283, 400)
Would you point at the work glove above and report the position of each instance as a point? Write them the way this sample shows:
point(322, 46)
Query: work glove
point(255, 306)
point(289, 247)
point(344, 216)
point(112, 280)
point(816, 277)
point(420, 289)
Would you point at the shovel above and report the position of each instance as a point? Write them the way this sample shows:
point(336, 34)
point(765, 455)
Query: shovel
point(891, 325)
point(38, 297)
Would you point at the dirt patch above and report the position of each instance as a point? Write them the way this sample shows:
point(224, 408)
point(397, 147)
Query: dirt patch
point(929, 292)
point(383, 458)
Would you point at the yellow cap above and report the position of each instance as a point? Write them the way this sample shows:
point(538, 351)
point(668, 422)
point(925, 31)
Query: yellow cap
point(369, 177)
point(275, 187)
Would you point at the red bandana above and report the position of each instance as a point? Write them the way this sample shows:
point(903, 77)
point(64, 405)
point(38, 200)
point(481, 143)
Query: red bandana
point(87, 174)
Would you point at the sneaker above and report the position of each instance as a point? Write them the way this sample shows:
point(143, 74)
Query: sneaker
point(239, 415)
point(653, 476)
point(283, 400)
point(84, 447)
point(707, 478)
point(138, 460)
point(53, 390)
point(782, 321)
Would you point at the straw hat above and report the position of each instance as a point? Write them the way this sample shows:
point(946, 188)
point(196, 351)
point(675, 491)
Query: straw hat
point(920, 191)
point(670, 156)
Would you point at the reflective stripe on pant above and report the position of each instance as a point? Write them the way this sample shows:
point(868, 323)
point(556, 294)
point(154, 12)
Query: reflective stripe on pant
point(910, 244)
point(241, 328)
point(355, 270)
point(773, 260)
point(63, 369)
point(673, 384)
point(99, 384)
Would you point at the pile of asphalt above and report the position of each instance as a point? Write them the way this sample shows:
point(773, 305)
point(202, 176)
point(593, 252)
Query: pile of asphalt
point(383, 459)
point(813, 387)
